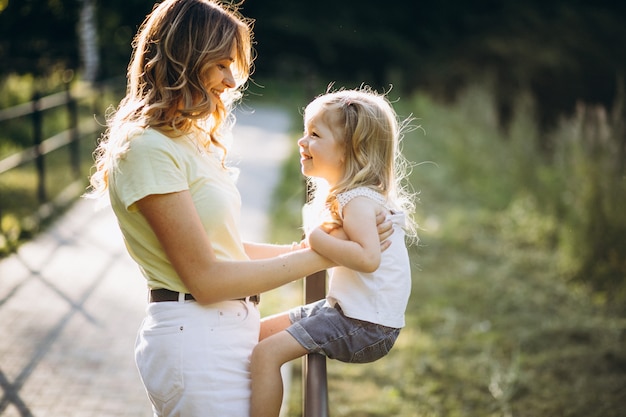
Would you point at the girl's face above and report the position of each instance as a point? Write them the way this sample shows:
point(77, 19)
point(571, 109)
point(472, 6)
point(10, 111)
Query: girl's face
point(321, 151)
point(218, 78)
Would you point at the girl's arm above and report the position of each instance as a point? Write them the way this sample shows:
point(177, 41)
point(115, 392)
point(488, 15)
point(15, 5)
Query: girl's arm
point(175, 221)
point(362, 250)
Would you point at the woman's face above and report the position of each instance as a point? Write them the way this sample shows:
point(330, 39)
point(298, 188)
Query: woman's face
point(219, 77)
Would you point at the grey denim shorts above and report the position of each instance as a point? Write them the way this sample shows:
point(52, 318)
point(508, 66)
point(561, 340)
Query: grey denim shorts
point(321, 328)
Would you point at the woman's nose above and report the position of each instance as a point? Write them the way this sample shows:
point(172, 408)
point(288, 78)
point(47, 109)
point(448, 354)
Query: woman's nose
point(229, 79)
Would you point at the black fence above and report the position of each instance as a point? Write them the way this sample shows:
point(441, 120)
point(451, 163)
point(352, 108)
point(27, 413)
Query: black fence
point(78, 128)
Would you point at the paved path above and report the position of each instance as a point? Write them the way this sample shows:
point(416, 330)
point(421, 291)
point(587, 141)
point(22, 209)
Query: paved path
point(71, 300)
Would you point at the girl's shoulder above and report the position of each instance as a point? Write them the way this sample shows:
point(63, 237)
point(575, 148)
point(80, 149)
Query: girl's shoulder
point(344, 198)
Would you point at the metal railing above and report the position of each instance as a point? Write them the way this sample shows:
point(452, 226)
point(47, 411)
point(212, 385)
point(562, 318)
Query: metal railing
point(314, 377)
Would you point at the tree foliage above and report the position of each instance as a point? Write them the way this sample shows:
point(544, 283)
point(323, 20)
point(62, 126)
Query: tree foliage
point(38, 36)
point(560, 50)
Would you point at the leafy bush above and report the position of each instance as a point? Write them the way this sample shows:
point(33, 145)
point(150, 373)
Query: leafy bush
point(590, 161)
point(569, 199)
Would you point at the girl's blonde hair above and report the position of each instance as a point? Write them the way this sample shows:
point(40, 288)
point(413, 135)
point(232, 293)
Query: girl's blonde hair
point(175, 46)
point(371, 132)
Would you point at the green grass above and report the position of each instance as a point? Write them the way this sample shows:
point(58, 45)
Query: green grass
point(494, 328)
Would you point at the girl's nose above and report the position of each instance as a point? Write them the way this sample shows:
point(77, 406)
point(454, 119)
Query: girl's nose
point(302, 141)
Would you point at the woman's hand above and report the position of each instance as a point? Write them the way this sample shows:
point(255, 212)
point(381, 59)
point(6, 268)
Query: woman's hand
point(385, 230)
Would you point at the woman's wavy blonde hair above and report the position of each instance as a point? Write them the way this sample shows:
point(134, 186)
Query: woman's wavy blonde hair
point(175, 46)
point(371, 132)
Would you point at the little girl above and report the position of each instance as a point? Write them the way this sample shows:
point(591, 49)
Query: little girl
point(351, 142)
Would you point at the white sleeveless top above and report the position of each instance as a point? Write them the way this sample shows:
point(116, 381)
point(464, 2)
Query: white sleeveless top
point(381, 296)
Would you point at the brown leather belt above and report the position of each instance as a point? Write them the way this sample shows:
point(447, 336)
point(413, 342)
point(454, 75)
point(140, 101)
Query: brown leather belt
point(163, 294)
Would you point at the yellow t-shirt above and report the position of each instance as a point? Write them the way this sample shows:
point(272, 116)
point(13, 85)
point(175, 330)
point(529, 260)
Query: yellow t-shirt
point(157, 164)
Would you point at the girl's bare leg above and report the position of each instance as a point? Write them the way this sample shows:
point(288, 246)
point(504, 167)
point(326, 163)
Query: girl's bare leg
point(267, 383)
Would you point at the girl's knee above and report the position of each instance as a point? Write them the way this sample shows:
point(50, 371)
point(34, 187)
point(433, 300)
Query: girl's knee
point(261, 356)
point(274, 351)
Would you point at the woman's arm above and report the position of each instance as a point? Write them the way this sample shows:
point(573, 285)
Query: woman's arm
point(267, 250)
point(254, 250)
point(362, 250)
point(175, 221)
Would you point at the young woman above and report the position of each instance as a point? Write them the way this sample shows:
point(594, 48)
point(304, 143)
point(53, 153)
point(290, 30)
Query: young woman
point(162, 163)
point(351, 142)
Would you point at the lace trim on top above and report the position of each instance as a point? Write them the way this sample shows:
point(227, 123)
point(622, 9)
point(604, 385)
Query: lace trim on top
point(344, 198)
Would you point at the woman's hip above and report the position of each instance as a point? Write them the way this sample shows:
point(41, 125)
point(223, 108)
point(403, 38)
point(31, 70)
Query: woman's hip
point(192, 357)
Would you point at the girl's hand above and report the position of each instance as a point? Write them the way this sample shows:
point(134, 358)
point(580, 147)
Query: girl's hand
point(339, 233)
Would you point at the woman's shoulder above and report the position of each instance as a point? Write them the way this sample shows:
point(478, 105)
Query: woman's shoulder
point(149, 139)
point(146, 135)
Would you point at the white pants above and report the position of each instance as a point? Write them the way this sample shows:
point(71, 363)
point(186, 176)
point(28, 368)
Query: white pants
point(194, 360)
